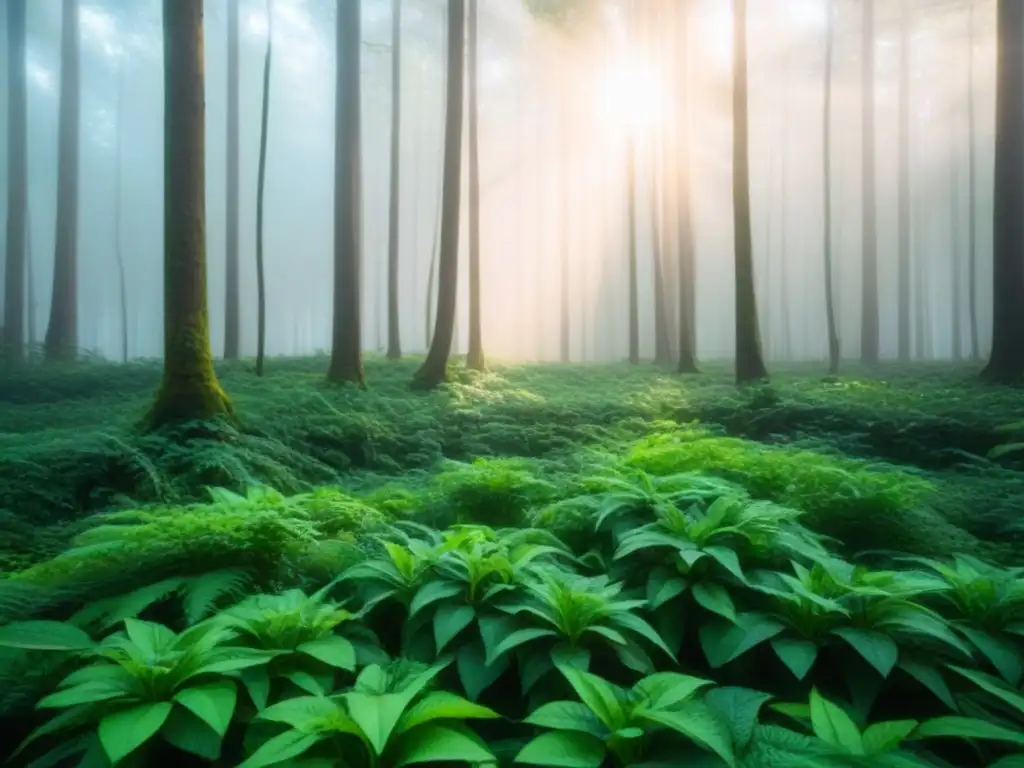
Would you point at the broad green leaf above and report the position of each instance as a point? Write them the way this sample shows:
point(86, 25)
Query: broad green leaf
point(121, 733)
point(885, 737)
point(284, 746)
point(563, 749)
point(878, 650)
point(436, 743)
point(635, 624)
point(1002, 654)
point(697, 722)
point(729, 560)
point(87, 693)
point(449, 620)
point(533, 666)
point(954, 726)
point(333, 650)
point(664, 690)
point(604, 699)
point(151, 638)
point(257, 682)
point(306, 713)
point(44, 636)
point(377, 716)
point(309, 683)
point(518, 638)
point(713, 597)
point(607, 633)
point(930, 678)
point(190, 734)
point(66, 720)
point(723, 641)
point(475, 674)
point(635, 658)
point(494, 629)
point(568, 716)
point(798, 655)
point(432, 592)
point(662, 586)
point(833, 726)
point(213, 703)
point(738, 708)
point(993, 686)
point(442, 705)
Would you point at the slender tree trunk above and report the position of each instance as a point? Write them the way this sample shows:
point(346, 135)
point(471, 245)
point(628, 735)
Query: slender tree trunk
point(62, 331)
point(346, 351)
point(1007, 357)
point(394, 332)
point(563, 228)
point(956, 310)
point(662, 347)
point(435, 246)
point(118, 245)
point(475, 353)
point(972, 280)
point(12, 342)
point(634, 293)
point(686, 270)
point(261, 284)
point(30, 288)
point(435, 368)
point(903, 334)
point(190, 390)
point(232, 320)
point(830, 307)
point(749, 362)
point(869, 330)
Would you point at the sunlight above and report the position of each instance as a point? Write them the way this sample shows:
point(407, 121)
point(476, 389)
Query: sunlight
point(631, 94)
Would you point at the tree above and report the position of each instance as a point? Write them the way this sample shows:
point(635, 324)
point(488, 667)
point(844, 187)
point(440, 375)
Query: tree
point(972, 280)
point(435, 368)
point(749, 362)
point(346, 350)
point(394, 332)
point(261, 288)
point(189, 390)
point(687, 268)
point(118, 245)
point(62, 331)
point(830, 304)
point(1007, 357)
point(869, 331)
point(903, 334)
point(232, 301)
point(12, 342)
point(475, 353)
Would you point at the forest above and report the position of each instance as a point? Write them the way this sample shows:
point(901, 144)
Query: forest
point(570, 383)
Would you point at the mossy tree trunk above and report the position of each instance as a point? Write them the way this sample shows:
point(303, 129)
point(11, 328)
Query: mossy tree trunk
point(232, 320)
point(435, 368)
point(972, 281)
point(261, 286)
point(830, 304)
point(749, 362)
point(475, 352)
point(62, 331)
point(869, 330)
point(394, 230)
point(1006, 361)
point(189, 390)
point(346, 350)
point(686, 271)
point(12, 343)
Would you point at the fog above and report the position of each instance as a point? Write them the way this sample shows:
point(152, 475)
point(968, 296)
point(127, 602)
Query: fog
point(547, 111)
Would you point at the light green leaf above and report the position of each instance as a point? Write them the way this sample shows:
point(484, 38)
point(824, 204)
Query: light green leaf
point(284, 746)
point(729, 560)
point(635, 624)
point(44, 636)
point(833, 726)
point(432, 592)
point(878, 650)
point(699, 724)
point(190, 734)
point(885, 737)
point(309, 683)
point(441, 705)
point(607, 633)
point(738, 708)
point(257, 683)
point(568, 716)
point(151, 638)
point(121, 733)
point(518, 638)
point(954, 726)
point(662, 586)
point(604, 699)
point(713, 597)
point(475, 674)
point(377, 716)
point(798, 655)
point(213, 703)
point(333, 650)
point(439, 743)
point(87, 693)
point(563, 749)
point(664, 690)
point(306, 713)
point(449, 620)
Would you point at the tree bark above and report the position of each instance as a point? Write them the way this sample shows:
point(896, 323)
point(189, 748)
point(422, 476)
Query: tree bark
point(830, 307)
point(118, 245)
point(563, 225)
point(475, 353)
point(12, 342)
point(869, 338)
point(749, 362)
point(190, 390)
point(394, 234)
point(1006, 361)
point(972, 280)
point(956, 310)
point(261, 285)
point(346, 349)
point(634, 293)
point(232, 320)
point(62, 331)
point(903, 333)
point(686, 271)
point(434, 370)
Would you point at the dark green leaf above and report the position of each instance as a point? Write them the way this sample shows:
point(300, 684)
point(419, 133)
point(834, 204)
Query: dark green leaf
point(563, 749)
point(121, 733)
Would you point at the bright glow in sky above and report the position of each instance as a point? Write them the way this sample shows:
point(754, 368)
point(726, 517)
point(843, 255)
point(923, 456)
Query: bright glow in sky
point(632, 94)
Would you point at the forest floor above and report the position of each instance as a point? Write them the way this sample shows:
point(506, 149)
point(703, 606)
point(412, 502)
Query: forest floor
point(890, 458)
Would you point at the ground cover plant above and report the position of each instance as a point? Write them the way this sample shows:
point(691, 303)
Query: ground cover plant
point(593, 565)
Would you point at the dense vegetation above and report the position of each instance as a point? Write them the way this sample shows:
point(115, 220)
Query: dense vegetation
point(572, 566)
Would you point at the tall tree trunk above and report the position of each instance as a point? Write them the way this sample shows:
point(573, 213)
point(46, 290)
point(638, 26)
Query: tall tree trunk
point(232, 319)
point(190, 390)
point(830, 305)
point(435, 368)
point(30, 284)
point(1007, 357)
point(12, 343)
point(785, 332)
point(972, 280)
point(956, 310)
point(903, 334)
point(749, 362)
point(435, 246)
point(634, 294)
point(686, 270)
point(394, 332)
point(475, 353)
point(662, 346)
point(62, 332)
point(118, 245)
point(261, 284)
point(869, 330)
point(563, 228)
point(346, 349)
